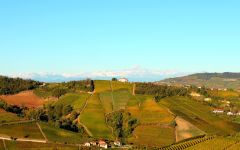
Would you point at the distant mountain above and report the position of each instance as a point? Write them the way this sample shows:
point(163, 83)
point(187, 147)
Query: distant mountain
point(211, 80)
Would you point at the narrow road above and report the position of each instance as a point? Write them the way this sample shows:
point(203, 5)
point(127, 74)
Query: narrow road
point(17, 122)
point(4, 144)
point(43, 134)
point(86, 129)
point(24, 140)
point(78, 119)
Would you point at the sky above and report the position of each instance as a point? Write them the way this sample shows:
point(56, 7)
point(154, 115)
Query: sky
point(155, 36)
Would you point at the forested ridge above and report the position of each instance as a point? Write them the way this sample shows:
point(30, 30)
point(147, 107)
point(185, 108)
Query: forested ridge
point(15, 85)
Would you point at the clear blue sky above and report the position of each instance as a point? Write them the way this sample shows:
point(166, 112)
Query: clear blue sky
point(67, 36)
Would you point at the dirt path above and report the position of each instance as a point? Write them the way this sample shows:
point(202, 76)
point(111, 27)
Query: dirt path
point(78, 119)
point(185, 129)
point(43, 134)
point(86, 129)
point(24, 140)
point(4, 144)
point(112, 95)
point(17, 122)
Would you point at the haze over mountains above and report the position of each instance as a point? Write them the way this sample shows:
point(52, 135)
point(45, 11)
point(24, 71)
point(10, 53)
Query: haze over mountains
point(133, 74)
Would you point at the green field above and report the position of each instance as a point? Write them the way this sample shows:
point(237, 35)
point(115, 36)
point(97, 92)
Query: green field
point(116, 85)
point(152, 136)
point(120, 99)
point(102, 86)
point(200, 115)
point(13, 145)
point(23, 130)
point(157, 114)
point(9, 117)
point(76, 100)
point(106, 101)
point(93, 118)
point(54, 134)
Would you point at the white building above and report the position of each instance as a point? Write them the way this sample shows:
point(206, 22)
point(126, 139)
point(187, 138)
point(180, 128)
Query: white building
point(87, 144)
point(207, 99)
point(123, 80)
point(117, 143)
point(218, 111)
point(102, 144)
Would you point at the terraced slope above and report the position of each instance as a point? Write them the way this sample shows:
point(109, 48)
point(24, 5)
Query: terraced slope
point(93, 118)
point(54, 134)
point(200, 115)
point(102, 86)
point(155, 122)
point(8, 117)
point(218, 143)
point(13, 145)
point(76, 100)
point(22, 130)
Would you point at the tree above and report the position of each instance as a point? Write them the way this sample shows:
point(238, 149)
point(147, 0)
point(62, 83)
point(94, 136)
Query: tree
point(58, 92)
point(114, 79)
point(67, 109)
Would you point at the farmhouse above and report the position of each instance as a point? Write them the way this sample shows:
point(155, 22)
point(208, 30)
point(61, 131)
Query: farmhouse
point(123, 80)
point(117, 143)
point(87, 144)
point(218, 111)
point(102, 144)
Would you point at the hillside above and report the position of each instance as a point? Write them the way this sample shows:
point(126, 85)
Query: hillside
point(136, 114)
point(211, 80)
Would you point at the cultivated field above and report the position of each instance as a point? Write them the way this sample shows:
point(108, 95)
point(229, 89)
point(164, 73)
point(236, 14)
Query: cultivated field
point(76, 100)
point(21, 130)
point(200, 115)
point(54, 134)
point(13, 145)
point(26, 98)
point(8, 117)
point(116, 85)
point(106, 101)
point(151, 112)
point(218, 143)
point(153, 136)
point(120, 99)
point(93, 118)
point(102, 86)
point(185, 130)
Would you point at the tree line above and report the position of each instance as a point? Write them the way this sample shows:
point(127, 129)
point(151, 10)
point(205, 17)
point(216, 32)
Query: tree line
point(160, 91)
point(15, 85)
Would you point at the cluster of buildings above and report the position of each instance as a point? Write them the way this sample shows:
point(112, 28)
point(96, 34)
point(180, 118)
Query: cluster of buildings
point(102, 144)
point(229, 113)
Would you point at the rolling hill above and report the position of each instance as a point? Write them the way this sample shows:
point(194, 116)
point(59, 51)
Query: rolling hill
point(211, 80)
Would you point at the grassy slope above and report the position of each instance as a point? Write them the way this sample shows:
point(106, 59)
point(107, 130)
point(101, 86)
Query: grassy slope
point(153, 136)
point(199, 115)
point(106, 100)
point(13, 145)
point(60, 135)
point(26, 129)
point(119, 85)
point(151, 112)
point(93, 117)
point(102, 86)
point(9, 117)
point(121, 98)
point(76, 100)
point(147, 111)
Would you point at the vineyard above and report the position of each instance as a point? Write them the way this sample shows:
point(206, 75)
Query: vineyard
point(186, 144)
